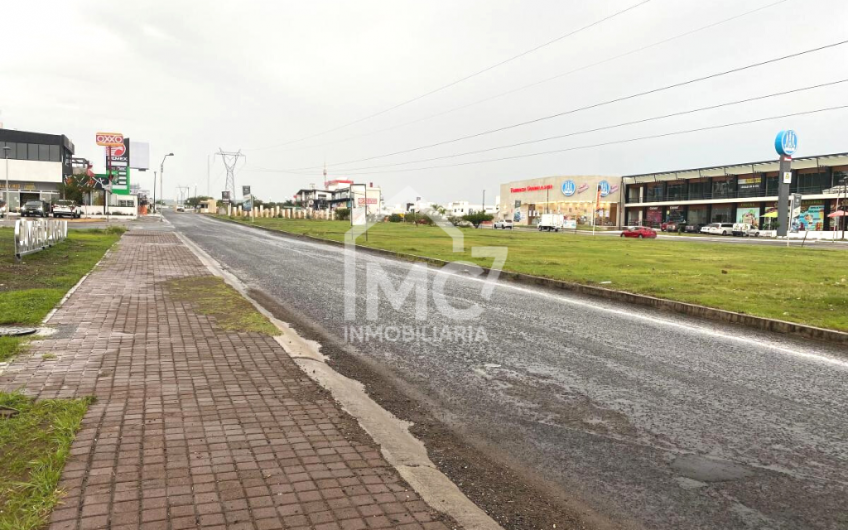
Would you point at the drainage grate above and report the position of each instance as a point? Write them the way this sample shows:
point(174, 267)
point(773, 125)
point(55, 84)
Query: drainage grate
point(16, 332)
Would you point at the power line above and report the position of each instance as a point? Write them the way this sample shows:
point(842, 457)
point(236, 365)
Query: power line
point(608, 127)
point(595, 105)
point(462, 79)
point(546, 80)
point(614, 142)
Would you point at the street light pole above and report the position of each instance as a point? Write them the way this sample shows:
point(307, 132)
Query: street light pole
point(6, 150)
point(162, 174)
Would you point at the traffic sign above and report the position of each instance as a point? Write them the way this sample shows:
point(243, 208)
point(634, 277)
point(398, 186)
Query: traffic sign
point(109, 139)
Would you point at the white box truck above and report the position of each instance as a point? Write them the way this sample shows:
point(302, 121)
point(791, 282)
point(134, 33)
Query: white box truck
point(551, 222)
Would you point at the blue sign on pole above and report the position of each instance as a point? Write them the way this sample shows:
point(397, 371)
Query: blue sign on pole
point(569, 188)
point(786, 143)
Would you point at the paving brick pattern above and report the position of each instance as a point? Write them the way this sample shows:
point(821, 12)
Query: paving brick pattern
point(195, 427)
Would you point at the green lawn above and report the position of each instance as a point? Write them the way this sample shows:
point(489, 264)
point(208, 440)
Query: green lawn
point(33, 447)
point(805, 285)
point(29, 289)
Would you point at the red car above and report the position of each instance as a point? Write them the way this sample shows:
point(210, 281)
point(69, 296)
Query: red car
point(639, 231)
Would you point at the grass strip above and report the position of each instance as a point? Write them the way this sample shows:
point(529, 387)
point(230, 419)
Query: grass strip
point(29, 289)
point(805, 285)
point(34, 445)
point(212, 297)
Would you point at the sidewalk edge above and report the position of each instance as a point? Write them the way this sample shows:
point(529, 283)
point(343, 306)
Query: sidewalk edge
point(400, 448)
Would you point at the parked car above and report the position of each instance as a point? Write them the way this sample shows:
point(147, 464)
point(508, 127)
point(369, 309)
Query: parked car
point(180, 209)
point(695, 228)
point(551, 222)
point(2, 209)
point(65, 208)
point(503, 224)
point(35, 209)
point(672, 226)
point(640, 232)
point(721, 229)
point(707, 228)
point(745, 230)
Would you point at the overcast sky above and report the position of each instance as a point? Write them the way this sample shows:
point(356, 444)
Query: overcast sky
point(192, 77)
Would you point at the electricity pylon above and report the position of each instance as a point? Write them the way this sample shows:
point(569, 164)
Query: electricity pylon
point(230, 160)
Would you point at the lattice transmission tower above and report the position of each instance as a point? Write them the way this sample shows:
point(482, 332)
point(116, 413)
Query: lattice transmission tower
point(230, 160)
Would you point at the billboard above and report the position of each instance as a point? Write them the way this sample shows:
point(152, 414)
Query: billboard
point(140, 155)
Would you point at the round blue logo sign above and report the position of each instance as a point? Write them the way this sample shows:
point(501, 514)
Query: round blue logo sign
point(569, 188)
point(605, 188)
point(786, 143)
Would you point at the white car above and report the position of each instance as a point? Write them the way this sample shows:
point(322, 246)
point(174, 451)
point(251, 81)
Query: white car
point(63, 208)
point(503, 224)
point(721, 229)
point(706, 229)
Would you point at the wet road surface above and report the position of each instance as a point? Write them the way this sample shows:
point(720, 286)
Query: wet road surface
point(654, 420)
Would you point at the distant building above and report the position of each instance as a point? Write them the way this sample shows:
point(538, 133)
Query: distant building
point(340, 194)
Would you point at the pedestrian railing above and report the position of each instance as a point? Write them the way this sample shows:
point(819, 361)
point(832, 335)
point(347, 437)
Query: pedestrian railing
point(38, 234)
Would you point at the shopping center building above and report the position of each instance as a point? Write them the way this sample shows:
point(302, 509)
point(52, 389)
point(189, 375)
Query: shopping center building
point(738, 193)
point(35, 165)
point(576, 197)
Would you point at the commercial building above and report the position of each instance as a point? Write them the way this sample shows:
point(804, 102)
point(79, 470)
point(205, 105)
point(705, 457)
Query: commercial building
point(37, 164)
point(738, 193)
point(576, 197)
point(340, 194)
point(460, 208)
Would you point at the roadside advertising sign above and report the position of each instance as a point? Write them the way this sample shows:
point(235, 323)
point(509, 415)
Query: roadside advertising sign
point(107, 139)
point(794, 212)
point(225, 196)
point(358, 217)
point(245, 191)
point(118, 162)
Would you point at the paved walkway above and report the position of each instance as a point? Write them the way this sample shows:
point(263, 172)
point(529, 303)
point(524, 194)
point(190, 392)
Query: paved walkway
point(195, 427)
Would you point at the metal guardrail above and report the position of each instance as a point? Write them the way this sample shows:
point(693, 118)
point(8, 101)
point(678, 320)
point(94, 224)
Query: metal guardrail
point(38, 234)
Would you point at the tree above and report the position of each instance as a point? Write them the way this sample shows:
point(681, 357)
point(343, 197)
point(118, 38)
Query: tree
point(193, 202)
point(395, 218)
point(477, 218)
point(76, 188)
point(342, 214)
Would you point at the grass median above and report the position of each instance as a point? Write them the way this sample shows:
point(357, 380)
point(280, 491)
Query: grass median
point(34, 443)
point(804, 285)
point(29, 289)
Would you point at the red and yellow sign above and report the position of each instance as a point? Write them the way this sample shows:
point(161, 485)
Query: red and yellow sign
point(107, 139)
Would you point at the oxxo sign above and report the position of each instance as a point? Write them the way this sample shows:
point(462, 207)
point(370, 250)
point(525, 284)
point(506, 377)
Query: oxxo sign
point(109, 139)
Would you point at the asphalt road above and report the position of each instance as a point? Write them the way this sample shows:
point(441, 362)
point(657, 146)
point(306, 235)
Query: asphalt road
point(654, 420)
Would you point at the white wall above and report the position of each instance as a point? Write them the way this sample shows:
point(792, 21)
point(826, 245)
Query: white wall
point(31, 171)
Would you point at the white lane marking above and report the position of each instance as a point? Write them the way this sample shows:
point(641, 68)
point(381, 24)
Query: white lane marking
point(563, 298)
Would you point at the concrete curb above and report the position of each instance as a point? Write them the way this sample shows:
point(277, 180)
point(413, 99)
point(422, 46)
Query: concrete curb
point(708, 313)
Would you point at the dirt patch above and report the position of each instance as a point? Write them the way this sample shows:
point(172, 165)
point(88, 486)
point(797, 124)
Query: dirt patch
point(210, 296)
point(514, 498)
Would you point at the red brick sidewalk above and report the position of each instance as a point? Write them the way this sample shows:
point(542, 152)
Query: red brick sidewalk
point(195, 427)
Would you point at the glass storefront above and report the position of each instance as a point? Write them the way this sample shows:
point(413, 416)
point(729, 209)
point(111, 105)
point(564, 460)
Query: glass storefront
point(653, 217)
point(697, 215)
point(722, 213)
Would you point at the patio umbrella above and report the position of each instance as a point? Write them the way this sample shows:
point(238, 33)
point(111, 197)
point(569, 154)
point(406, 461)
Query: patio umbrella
point(770, 214)
point(839, 213)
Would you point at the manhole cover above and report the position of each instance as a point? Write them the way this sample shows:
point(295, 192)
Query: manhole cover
point(15, 332)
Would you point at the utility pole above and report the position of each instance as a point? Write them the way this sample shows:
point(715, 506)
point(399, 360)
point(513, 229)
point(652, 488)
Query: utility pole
point(6, 150)
point(230, 160)
point(162, 174)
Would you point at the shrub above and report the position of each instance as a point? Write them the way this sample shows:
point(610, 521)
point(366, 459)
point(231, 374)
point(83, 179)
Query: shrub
point(477, 219)
point(395, 218)
point(342, 214)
